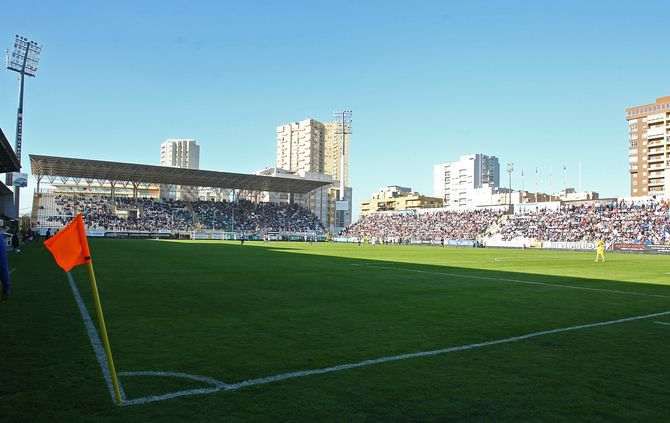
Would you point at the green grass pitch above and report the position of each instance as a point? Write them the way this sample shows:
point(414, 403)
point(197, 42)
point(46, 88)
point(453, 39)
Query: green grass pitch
point(236, 313)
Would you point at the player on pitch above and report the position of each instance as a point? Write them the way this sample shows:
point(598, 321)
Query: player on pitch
point(600, 251)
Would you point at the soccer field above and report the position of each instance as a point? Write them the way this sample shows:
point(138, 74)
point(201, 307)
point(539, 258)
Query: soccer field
point(290, 331)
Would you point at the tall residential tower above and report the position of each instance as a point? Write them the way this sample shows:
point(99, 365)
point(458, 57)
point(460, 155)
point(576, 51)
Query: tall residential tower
point(315, 147)
point(649, 148)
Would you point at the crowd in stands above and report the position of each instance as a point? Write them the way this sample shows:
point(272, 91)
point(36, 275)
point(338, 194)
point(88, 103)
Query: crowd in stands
point(128, 214)
point(248, 216)
point(622, 222)
point(617, 222)
point(647, 222)
point(427, 226)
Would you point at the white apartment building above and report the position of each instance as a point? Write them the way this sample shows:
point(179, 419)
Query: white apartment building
point(455, 182)
point(312, 147)
point(183, 153)
point(300, 146)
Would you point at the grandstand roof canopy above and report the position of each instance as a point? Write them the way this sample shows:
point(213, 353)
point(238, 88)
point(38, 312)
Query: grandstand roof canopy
point(8, 160)
point(4, 190)
point(99, 170)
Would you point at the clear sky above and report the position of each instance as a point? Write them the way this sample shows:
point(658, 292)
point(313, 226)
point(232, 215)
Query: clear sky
point(541, 84)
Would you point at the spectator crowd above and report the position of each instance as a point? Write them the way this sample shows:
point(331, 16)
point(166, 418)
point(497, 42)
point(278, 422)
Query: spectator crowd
point(622, 222)
point(128, 214)
point(617, 222)
point(425, 226)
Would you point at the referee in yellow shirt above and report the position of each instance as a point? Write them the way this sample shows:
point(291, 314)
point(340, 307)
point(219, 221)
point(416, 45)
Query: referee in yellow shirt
point(600, 250)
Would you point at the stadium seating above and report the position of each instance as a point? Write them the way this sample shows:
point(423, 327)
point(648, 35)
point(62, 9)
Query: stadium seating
point(623, 222)
point(127, 214)
point(617, 222)
point(426, 226)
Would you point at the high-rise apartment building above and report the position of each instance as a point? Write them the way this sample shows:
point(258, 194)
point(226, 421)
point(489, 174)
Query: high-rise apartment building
point(333, 152)
point(300, 146)
point(649, 148)
point(184, 153)
point(315, 147)
point(455, 182)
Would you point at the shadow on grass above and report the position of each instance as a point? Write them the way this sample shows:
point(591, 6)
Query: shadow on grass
point(395, 258)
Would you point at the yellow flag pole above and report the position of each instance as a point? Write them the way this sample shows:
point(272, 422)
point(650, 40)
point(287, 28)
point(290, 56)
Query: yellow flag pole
point(103, 332)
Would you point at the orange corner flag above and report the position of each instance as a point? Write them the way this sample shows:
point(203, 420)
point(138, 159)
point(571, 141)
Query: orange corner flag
point(70, 246)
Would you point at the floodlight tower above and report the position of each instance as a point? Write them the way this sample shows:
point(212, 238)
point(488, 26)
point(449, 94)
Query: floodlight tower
point(24, 60)
point(343, 120)
point(510, 169)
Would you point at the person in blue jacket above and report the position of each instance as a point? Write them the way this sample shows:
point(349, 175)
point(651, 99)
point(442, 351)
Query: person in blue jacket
point(4, 270)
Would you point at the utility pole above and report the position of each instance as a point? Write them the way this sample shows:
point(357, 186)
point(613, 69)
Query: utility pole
point(24, 60)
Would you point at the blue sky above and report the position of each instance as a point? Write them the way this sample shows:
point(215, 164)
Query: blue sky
point(541, 84)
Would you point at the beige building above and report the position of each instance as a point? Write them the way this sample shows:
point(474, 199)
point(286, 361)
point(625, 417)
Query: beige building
point(312, 147)
point(333, 151)
point(649, 148)
point(398, 198)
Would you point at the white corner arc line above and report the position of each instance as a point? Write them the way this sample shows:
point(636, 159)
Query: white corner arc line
point(365, 363)
point(171, 395)
point(584, 288)
point(92, 332)
point(662, 323)
point(217, 385)
point(180, 375)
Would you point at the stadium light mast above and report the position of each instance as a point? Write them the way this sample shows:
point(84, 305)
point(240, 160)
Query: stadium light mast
point(343, 120)
point(24, 60)
point(510, 169)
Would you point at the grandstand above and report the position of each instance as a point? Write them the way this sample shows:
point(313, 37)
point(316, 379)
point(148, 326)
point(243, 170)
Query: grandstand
point(122, 210)
point(149, 215)
point(8, 163)
point(615, 221)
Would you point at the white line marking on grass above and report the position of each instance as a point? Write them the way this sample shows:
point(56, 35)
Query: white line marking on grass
point(365, 363)
point(501, 259)
point(222, 386)
point(217, 385)
point(196, 378)
point(95, 339)
point(460, 275)
point(662, 323)
point(171, 395)
point(11, 271)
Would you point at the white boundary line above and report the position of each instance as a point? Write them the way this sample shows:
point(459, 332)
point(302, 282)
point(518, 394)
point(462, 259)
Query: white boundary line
point(222, 386)
point(217, 385)
point(662, 323)
point(94, 338)
point(492, 278)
